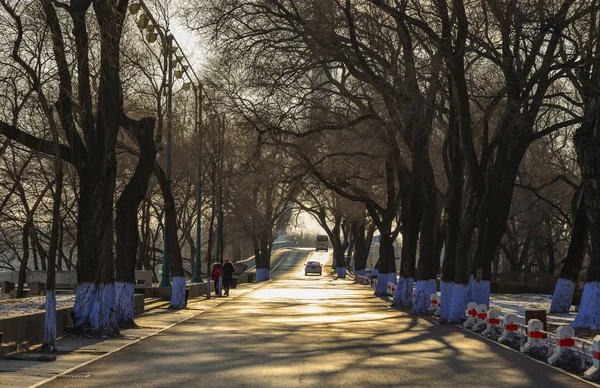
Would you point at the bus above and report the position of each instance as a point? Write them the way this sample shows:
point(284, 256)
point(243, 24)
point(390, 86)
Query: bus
point(322, 243)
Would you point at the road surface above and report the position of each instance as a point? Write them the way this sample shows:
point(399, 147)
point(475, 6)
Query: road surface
point(313, 331)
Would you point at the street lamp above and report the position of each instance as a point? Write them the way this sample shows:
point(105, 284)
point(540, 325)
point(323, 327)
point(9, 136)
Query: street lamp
point(147, 21)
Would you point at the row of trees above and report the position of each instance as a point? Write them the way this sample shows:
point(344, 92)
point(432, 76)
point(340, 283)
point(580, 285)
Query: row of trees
point(84, 125)
point(442, 120)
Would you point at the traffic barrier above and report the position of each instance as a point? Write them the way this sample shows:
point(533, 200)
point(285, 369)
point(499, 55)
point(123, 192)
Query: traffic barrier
point(534, 334)
point(594, 372)
point(471, 314)
point(564, 339)
point(482, 311)
point(510, 326)
point(393, 289)
point(389, 288)
point(493, 320)
point(434, 303)
point(374, 283)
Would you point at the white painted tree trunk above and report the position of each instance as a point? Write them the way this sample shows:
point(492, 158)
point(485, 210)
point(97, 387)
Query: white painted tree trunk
point(382, 279)
point(404, 290)
point(103, 315)
point(95, 306)
point(85, 298)
point(480, 292)
point(125, 302)
point(446, 288)
point(178, 292)
point(458, 306)
point(423, 291)
point(49, 344)
point(562, 296)
point(588, 316)
point(398, 295)
point(262, 274)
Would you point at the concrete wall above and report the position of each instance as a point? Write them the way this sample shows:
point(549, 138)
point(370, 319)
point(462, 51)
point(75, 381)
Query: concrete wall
point(195, 290)
point(63, 278)
point(30, 328)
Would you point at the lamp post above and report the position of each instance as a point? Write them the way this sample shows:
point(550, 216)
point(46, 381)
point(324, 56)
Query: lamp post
point(197, 121)
point(148, 22)
point(166, 276)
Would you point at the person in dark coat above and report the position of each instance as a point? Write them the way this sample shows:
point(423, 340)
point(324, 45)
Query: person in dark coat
point(227, 276)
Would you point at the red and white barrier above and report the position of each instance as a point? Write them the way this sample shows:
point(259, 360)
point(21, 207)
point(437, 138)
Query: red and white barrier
point(471, 314)
point(434, 303)
point(374, 283)
point(389, 288)
point(493, 320)
point(509, 326)
point(482, 314)
point(393, 289)
point(564, 340)
point(534, 334)
point(594, 372)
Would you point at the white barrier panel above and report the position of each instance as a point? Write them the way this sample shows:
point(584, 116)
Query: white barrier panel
point(493, 320)
point(594, 371)
point(471, 314)
point(434, 303)
point(534, 334)
point(564, 339)
point(510, 326)
point(393, 289)
point(481, 317)
point(389, 288)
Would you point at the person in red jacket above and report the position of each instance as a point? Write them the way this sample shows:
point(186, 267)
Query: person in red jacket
point(216, 271)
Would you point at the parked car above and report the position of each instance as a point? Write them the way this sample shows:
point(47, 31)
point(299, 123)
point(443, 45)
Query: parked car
point(313, 267)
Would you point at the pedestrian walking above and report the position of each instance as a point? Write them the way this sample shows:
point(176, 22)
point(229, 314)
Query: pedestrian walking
point(227, 276)
point(216, 271)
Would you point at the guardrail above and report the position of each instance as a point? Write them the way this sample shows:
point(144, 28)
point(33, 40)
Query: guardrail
point(530, 334)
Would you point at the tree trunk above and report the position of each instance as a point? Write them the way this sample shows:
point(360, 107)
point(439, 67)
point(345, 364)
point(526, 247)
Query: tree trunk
point(126, 221)
point(410, 215)
point(387, 267)
point(587, 144)
point(361, 250)
point(176, 264)
point(460, 289)
point(95, 294)
point(565, 286)
point(24, 258)
point(428, 267)
point(453, 213)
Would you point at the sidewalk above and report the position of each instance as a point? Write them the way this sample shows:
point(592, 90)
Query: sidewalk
point(75, 351)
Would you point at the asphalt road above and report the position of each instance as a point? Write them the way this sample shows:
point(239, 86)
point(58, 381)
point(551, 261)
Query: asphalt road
point(299, 331)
